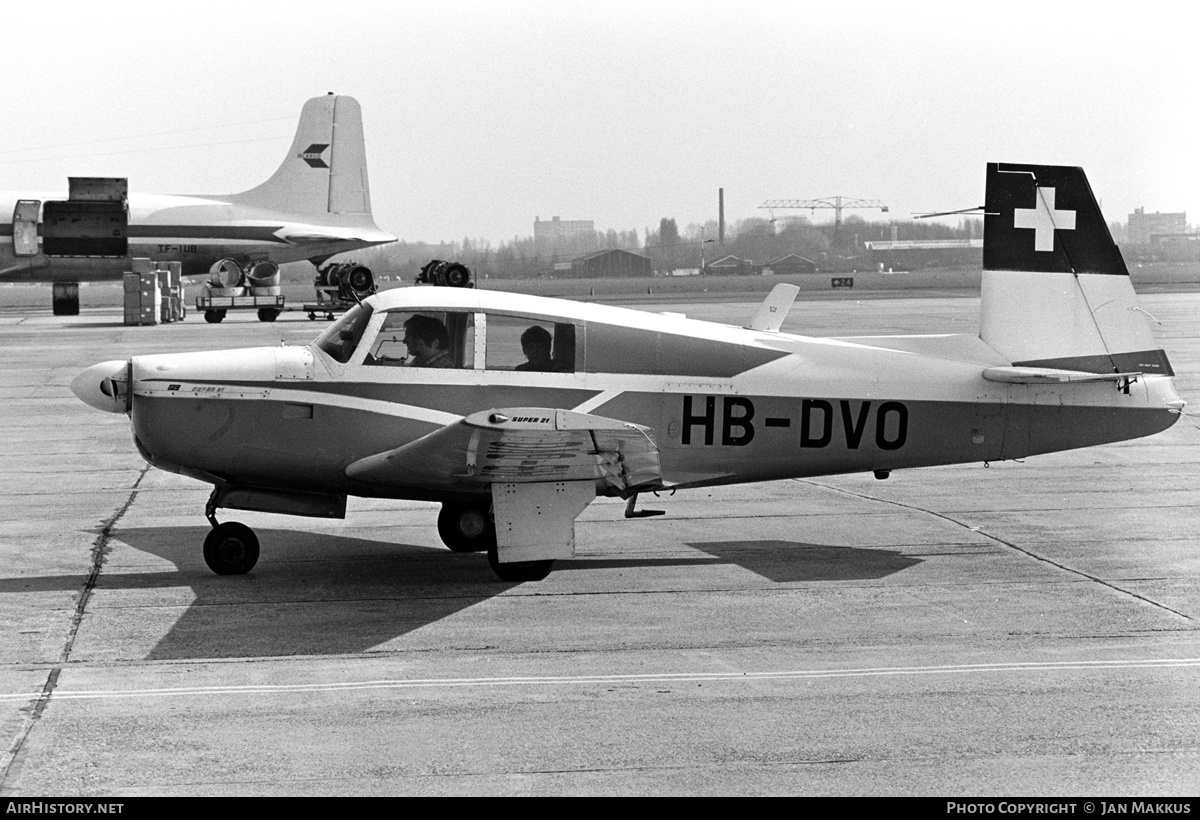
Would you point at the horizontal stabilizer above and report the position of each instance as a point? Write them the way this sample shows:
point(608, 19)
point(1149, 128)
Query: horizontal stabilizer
point(526, 444)
point(774, 309)
point(1046, 375)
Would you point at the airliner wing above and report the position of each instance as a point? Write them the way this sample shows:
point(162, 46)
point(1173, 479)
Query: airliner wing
point(310, 237)
point(521, 445)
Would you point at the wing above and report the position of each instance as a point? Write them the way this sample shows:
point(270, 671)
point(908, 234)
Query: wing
point(521, 445)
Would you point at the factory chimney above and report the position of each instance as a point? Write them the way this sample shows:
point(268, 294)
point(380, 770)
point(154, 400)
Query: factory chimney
point(720, 216)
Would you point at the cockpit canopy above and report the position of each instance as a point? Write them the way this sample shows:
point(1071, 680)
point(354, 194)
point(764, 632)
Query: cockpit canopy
point(466, 340)
point(507, 337)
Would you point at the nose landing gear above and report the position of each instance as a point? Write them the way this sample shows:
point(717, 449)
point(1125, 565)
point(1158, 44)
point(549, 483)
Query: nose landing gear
point(230, 548)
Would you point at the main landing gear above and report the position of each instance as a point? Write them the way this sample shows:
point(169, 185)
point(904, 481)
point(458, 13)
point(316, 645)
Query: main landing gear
point(230, 548)
point(471, 528)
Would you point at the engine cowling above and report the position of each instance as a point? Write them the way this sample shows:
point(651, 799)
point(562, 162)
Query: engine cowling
point(359, 280)
point(226, 273)
point(352, 280)
point(262, 275)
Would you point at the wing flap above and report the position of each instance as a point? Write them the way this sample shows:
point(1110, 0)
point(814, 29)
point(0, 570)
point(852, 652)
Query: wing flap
point(521, 445)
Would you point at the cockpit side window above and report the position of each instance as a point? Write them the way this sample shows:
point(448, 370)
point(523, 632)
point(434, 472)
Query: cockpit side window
point(425, 339)
point(341, 338)
point(529, 344)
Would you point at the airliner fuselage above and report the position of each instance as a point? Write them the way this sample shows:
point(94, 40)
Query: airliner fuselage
point(316, 204)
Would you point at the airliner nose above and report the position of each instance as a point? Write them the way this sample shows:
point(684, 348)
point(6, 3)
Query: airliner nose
point(104, 386)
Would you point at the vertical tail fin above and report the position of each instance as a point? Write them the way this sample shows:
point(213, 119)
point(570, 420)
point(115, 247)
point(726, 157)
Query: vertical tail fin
point(1056, 292)
point(325, 172)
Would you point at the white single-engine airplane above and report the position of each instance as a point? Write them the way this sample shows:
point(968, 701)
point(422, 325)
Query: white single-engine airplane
point(317, 204)
point(528, 408)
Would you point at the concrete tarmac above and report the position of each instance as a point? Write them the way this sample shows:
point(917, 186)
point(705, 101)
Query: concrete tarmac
point(1013, 629)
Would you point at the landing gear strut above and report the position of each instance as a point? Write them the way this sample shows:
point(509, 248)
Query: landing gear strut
point(230, 548)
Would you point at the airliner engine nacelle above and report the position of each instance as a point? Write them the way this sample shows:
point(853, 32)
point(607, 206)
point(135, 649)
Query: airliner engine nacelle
point(353, 281)
point(357, 280)
point(446, 274)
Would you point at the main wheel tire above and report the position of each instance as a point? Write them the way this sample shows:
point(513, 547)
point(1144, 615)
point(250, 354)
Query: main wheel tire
point(518, 572)
point(231, 549)
point(466, 528)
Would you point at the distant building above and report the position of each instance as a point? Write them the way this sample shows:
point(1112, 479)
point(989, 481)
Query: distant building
point(792, 263)
point(915, 254)
point(548, 234)
point(730, 265)
point(1145, 228)
point(613, 263)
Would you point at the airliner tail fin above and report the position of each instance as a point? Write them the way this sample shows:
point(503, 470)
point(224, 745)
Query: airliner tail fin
point(325, 171)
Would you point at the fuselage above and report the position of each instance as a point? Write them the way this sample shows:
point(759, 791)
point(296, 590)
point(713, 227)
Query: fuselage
point(194, 230)
point(726, 404)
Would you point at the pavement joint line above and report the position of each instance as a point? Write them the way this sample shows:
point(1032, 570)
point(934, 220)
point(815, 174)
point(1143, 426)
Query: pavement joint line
point(1023, 550)
point(100, 549)
point(650, 678)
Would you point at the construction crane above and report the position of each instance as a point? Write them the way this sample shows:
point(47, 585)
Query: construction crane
point(837, 203)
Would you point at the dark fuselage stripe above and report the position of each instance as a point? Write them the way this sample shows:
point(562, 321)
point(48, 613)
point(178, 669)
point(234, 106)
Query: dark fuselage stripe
point(1153, 362)
point(241, 233)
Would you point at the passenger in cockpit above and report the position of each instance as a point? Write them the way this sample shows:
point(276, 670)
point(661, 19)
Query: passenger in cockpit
point(536, 343)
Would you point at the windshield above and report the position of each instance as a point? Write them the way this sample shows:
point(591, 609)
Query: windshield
point(341, 338)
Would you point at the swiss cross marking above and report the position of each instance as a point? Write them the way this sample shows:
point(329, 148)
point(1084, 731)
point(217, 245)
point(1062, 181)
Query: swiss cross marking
point(1044, 219)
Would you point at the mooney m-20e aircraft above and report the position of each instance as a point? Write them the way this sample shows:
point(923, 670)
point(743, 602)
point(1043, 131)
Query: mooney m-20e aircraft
point(316, 205)
point(528, 408)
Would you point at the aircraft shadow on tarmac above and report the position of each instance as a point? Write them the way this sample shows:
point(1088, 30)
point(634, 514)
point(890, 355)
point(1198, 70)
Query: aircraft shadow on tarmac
point(95, 325)
point(323, 594)
point(793, 562)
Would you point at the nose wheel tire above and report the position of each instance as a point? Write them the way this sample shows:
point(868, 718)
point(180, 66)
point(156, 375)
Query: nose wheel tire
point(466, 529)
point(518, 571)
point(231, 549)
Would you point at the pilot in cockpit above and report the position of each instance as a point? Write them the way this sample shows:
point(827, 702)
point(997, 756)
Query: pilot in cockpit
point(428, 343)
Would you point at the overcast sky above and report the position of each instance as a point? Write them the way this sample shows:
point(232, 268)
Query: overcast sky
point(481, 116)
